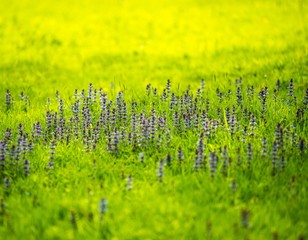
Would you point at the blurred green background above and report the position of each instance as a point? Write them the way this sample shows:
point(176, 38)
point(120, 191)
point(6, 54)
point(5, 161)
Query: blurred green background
point(50, 45)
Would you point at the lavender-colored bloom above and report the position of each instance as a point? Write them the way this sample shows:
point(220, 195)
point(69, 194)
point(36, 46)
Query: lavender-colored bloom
point(160, 170)
point(274, 157)
point(278, 85)
point(8, 100)
point(233, 186)
point(301, 145)
point(199, 154)
point(102, 206)
point(148, 89)
point(239, 97)
point(180, 155)
point(306, 97)
point(168, 87)
point(291, 89)
point(233, 124)
point(213, 160)
point(2, 156)
point(6, 183)
point(26, 167)
point(245, 218)
point(168, 160)
point(225, 159)
point(129, 183)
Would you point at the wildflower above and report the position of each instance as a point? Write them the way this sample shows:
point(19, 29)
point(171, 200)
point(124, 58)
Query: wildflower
point(51, 165)
point(2, 156)
point(250, 91)
point(291, 89)
point(283, 160)
point(238, 82)
point(196, 121)
point(109, 141)
point(168, 87)
point(103, 102)
point(168, 160)
point(204, 115)
point(232, 124)
point(278, 85)
point(300, 114)
point(160, 170)
point(253, 122)
point(225, 161)
point(233, 186)
point(30, 145)
point(90, 92)
point(279, 135)
point(129, 183)
point(52, 148)
point(206, 128)
point(213, 163)
point(239, 97)
point(26, 167)
point(148, 88)
point(245, 218)
point(173, 101)
point(152, 124)
point(18, 151)
point(102, 206)
point(37, 131)
point(57, 95)
point(249, 155)
point(115, 141)
point(263, 97)
point(176, 121)
point(7, 183)
point(2, 206)
point(48, 123)
point(180, 155)
point(274, 156)
point(8, 100)
point(199, 94)
point(7, 136)
point(202, 85)
point(154, 91)
point(73, 219)
point(301, 145)
point(164, 95)
point(124, 112)
point(306, 97)
point(187, 118)
point(228, 117)
point(207, 105)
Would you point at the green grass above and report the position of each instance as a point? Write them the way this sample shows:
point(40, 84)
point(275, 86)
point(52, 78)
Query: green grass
point(125, 45)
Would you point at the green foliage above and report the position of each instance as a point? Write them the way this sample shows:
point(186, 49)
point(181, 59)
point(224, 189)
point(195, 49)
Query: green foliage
point(55, 191)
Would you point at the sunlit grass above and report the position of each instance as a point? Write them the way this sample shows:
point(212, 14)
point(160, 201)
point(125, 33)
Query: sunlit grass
point(123, 46)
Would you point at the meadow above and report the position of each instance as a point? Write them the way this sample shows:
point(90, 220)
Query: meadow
point(157, 120)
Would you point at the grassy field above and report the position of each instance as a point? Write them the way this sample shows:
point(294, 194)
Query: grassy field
point(218, 152)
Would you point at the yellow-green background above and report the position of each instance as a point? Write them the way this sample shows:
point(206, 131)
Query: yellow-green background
point(49, 45)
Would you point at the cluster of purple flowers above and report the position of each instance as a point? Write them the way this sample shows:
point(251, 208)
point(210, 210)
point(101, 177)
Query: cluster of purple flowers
point(114, 125)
